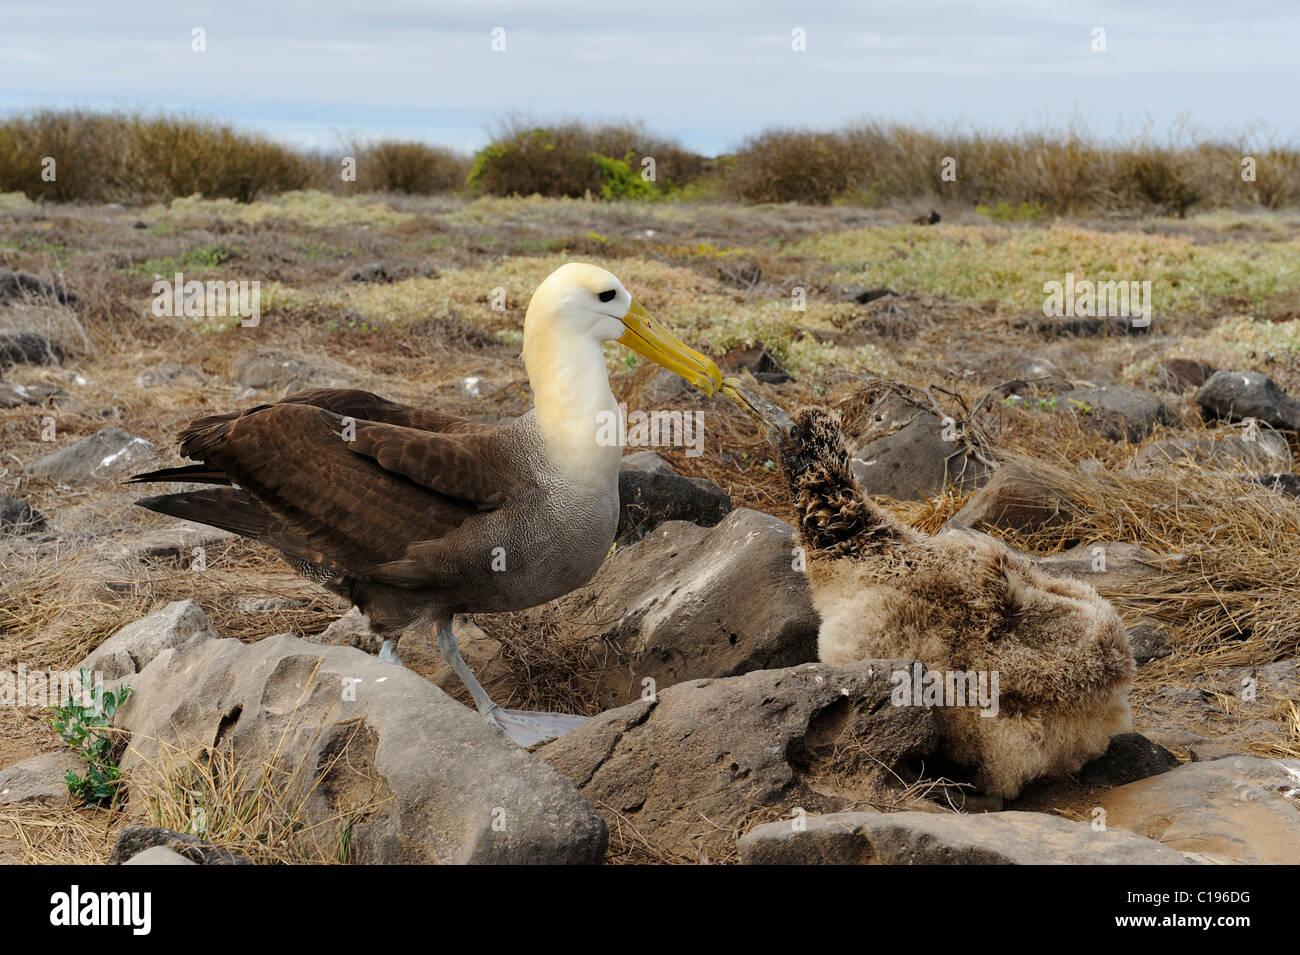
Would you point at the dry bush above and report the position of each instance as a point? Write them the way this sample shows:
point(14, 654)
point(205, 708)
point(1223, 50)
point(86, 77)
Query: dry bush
point(411, 168)
point(133, 158)
point(1059, 168)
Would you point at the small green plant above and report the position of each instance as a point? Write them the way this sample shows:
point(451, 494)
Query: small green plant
point(619, 182)
point(85, 729)
point(1005, 212)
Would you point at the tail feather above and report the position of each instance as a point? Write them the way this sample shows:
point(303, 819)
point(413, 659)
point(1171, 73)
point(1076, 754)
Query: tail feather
point(191, 473)
point(227, 508)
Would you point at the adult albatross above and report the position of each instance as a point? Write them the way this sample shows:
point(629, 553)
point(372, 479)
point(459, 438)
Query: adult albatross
point(415, 515)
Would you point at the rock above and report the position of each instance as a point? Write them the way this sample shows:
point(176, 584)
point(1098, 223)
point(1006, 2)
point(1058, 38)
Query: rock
point(865, 296)
point(159, 855)
point(687, 768)
point(134, 840)
point(1258, 451)
point(17, 286)
point(40, 780)
point(1288, 484)
point(12, 395)
point(689, 602)
point(1130, 757)
point(166, 373)
point(419, 777)
point(903, 453)
point(370, 272)
point(1118, 413)
point(106, 452)
point(650, 492)
point(1106, 564)
point(18, 517)
point(27, 348)
point(1091, 327)
point(1148, 643)
point(1179, 374)
point(1241, 807)
point(351, 630)
point(1235, 395)
point(758, 362)
point(1015, 498)
point(1208, 750)
point(1039, 376)
point(922, 838)
point(134, 647)
point(273, 370)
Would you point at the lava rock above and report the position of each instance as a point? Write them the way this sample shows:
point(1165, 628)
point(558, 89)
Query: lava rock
point(1234, 395)
point(650, 492)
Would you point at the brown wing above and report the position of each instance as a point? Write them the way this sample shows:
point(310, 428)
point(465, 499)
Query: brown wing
point(366, 406)
point(333, 506)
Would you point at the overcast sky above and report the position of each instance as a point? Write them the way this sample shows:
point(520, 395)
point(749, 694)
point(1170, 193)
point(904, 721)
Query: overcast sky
point(706, 71)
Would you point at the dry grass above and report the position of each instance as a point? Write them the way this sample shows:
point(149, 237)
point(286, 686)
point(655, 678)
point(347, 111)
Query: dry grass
point(960, 323)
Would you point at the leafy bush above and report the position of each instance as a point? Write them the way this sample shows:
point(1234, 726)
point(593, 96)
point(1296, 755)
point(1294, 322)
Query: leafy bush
point(85, 730)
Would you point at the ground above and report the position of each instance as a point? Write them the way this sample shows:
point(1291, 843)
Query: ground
point(448, 306)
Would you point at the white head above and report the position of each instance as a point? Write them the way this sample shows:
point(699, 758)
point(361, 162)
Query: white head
point(571, 315)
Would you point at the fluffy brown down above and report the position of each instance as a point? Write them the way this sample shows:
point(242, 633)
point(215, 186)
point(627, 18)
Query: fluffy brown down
point(959, 601)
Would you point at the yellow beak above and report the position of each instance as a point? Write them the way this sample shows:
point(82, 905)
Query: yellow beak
point(647, 337)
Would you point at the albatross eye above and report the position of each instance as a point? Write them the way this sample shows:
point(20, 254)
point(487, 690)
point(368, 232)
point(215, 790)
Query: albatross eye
point(608, 296)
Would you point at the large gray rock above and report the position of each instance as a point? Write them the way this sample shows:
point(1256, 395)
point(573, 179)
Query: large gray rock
point(922, 838)
point(908, 454)
point(686, 768)
point(1242, 807)
point(1262, 451)
point(689, 602)
point(1118, 413)
point(1234, 395)
point(650, 493)
point(108, 451)
point(134, 647)
point(419, 777)
point(39, 780)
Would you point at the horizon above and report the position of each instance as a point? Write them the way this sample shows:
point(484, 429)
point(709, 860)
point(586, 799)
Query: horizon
point(406, 72)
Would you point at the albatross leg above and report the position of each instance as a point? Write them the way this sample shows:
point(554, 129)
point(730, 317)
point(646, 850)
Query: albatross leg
point(524, 727)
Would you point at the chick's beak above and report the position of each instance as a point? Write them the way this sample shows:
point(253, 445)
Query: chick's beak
point(771, 416)
point(647, 337)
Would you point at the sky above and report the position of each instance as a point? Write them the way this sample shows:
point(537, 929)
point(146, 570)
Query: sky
point(315, 73)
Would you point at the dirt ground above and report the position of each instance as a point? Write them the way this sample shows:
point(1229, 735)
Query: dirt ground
point(723, 276)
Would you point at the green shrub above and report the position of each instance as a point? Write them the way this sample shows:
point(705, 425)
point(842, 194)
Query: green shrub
point(85, 730)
